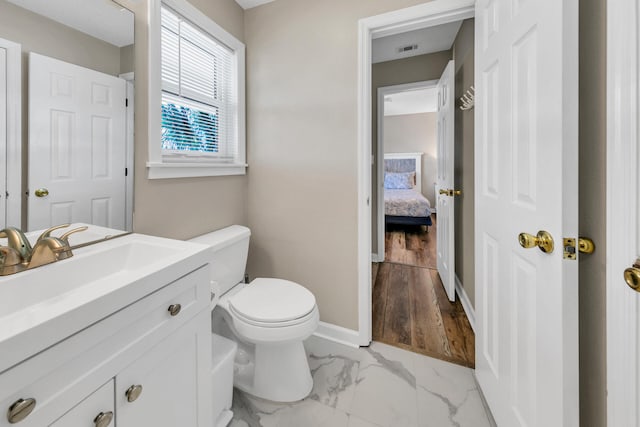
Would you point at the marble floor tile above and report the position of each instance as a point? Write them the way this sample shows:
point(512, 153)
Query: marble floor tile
point(375, 386)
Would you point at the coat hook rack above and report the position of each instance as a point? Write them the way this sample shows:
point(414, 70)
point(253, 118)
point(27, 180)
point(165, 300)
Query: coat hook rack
point(467, 100)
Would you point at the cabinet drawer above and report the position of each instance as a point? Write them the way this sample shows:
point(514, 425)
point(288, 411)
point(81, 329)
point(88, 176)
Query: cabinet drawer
point(64, 374)
point(85, 413)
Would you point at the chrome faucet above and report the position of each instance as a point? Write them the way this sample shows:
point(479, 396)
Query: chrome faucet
point(18, 255)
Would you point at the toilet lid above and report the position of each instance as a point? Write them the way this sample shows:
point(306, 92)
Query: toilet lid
point(273, 301)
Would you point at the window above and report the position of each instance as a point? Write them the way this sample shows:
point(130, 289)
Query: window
point(202, 97)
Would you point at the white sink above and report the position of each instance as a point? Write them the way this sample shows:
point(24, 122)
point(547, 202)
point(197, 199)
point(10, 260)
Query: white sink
point(42, 306)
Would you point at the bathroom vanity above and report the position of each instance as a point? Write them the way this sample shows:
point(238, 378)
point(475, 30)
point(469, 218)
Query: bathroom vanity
point(118, 334)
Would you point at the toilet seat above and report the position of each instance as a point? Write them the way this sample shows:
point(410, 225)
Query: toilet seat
point(268, 302)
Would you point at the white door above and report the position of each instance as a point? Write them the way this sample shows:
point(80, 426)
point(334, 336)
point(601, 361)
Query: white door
point(77, 145)
point(3, 136)
point(526, 181)
point(623, 214)
point(444, 183)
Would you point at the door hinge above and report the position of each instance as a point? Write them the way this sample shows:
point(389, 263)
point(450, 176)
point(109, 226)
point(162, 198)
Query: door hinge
point(126, 102)
point(569, 245)
point(126, 171)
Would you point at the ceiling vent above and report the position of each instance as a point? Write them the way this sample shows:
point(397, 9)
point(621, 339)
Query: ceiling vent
point(408, 48)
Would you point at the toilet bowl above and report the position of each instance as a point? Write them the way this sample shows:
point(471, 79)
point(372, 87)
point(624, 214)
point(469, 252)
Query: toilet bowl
point(267, 318)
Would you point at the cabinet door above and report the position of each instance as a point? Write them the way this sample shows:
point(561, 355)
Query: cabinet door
point(169, 385)
point(86, 412)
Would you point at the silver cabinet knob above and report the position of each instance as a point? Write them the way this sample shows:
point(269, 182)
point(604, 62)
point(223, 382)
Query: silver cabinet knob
point(133, 392)
point(174, 309)
point(103, 419)
point(20, 410)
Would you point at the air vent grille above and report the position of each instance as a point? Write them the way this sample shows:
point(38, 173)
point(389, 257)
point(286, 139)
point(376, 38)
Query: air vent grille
point(408, 48)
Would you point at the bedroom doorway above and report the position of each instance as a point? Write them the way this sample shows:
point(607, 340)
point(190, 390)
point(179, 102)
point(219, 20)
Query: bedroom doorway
point(410, 306)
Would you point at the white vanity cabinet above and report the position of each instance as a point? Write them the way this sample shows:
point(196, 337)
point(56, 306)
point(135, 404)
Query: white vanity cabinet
point(147, 364)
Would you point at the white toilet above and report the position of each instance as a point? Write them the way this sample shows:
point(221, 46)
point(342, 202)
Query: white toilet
point(268, 318)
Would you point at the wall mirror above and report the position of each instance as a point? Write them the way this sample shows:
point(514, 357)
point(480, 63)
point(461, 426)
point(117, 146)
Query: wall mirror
point(76, 132)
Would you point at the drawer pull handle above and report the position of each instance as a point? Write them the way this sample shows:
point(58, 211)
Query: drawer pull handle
point(103, 419)
point(174, 309)
point(20, 410)
point(133, 393)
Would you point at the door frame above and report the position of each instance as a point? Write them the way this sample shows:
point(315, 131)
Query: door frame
point(425, 15)
point(383, 91)
point(130, 78)
point(14, 132)
point(623, 107)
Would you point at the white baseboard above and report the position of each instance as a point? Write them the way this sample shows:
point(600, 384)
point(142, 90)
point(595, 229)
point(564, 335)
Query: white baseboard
point(338, 334)
point(433, 210)
point(377, 258)
point(466, 304)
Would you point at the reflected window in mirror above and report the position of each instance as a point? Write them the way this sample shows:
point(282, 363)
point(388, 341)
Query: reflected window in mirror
point(202, 97)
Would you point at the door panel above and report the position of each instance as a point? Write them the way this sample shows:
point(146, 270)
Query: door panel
point(77, 145)
point(446, 204)
point(526, 167)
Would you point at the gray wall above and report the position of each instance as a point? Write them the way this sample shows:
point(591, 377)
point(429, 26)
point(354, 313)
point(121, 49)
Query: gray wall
point(302, 128)
point(592, 156)
point(390, 73)
point(127, 58)
point(463, 54)
point(415, 133)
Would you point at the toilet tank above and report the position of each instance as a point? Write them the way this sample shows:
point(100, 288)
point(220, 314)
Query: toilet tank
point(230, 247)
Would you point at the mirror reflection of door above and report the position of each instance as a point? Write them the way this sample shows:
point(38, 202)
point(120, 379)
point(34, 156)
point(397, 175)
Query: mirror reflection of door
point(77, 145)
point(96, 36)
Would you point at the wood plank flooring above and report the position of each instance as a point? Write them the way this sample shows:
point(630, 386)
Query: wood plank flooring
point(410, 307)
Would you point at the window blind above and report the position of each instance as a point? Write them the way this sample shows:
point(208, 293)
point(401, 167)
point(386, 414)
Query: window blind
point(198, 105)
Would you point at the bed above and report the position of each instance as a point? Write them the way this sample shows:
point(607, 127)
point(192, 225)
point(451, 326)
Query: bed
point(404, 203)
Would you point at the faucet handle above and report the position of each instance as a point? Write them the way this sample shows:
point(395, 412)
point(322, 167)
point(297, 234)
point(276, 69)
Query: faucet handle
point(10, 261)
point(65, 236)
point(9, 256)
point(47, 232)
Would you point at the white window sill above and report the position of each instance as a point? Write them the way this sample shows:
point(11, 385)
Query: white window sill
point(192, 170)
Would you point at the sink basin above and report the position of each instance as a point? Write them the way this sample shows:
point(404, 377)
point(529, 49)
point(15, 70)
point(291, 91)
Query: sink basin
point(42, 306)
point(28, 289)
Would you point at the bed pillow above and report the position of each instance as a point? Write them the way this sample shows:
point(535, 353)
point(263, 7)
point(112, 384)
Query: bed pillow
point(399, 181)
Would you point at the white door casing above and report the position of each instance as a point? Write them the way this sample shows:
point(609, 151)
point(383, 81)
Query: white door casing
point(424, 15)
point(3, 136)
point(446, 203)
point(77, 145)
point(10, 134)
point(623, 215)
point(526, 180)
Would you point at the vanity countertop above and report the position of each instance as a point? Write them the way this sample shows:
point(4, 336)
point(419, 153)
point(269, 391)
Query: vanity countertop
point(43, 306)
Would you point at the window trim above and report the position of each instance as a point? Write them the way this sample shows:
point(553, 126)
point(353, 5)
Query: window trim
point(157, 166)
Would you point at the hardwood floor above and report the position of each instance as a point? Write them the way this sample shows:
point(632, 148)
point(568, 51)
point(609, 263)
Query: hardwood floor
point(410, 308)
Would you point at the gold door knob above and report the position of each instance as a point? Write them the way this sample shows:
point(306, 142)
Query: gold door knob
point(133, 393)
point(103, 419)
point(20, 410)
point(542, 240)
point(451, 192)
point(586, 245)
point(42, 192)
point(174, 309)
point(632, 276)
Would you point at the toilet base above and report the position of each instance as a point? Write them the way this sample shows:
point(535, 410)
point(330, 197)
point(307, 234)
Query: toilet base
point(278, 372)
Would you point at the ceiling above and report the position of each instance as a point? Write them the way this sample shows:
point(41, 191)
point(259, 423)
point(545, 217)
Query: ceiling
point(102, 19)
point(429, 40)
point(411, 102)
point(248, 4)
